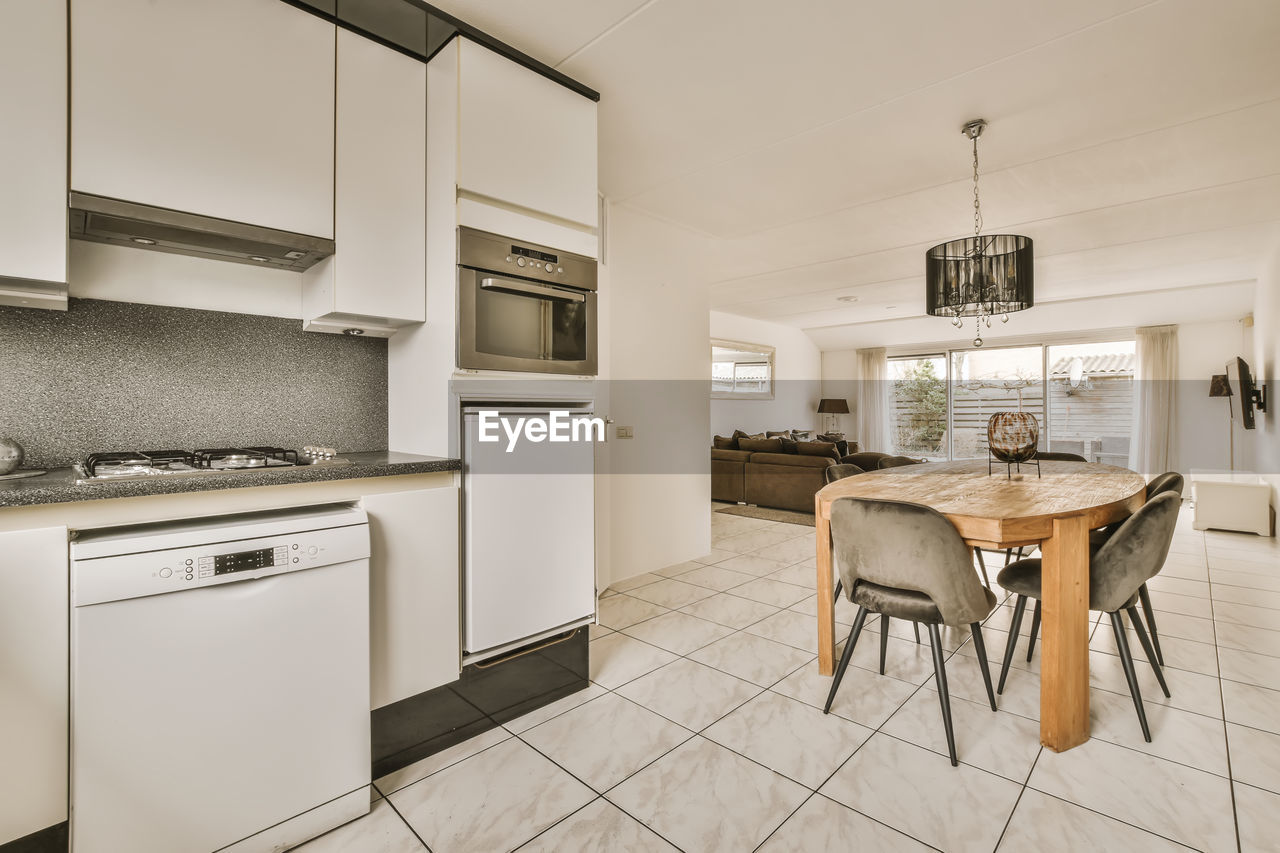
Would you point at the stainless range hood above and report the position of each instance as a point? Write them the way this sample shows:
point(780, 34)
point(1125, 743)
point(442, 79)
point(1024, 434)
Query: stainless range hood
point(140, 226)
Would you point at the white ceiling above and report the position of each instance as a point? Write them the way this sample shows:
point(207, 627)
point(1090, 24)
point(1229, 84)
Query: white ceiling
point(815, 144)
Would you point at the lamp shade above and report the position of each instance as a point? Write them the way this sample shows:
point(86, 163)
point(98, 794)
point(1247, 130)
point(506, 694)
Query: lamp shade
point(1219, 386)
point(833, 406)
point(976, 276)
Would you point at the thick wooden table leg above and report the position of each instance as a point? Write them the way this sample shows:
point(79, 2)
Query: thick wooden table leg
point(1064, 662)
point(826, 600)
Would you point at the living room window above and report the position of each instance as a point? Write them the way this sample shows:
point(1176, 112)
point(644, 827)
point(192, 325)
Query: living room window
point(741, 371)
point(1081, 394)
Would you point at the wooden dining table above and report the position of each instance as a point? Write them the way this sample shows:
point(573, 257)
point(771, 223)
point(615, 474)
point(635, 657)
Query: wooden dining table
point(1054, 508)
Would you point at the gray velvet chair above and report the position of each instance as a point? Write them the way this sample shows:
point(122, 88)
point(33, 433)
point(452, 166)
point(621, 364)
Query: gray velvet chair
point(897, 462)
point(1051, 456)
point(839, 472)
point(867, 460)
point(906, 561)
point(1134, 554)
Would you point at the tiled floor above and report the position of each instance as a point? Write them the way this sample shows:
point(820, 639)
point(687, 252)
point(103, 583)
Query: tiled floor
point(703, 731)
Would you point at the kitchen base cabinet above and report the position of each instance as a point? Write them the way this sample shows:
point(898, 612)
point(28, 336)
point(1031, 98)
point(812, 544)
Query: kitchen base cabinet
point(33, 681)
point(414, 591)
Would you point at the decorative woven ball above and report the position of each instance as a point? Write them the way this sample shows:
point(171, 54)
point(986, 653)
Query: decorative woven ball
point(1012, 436)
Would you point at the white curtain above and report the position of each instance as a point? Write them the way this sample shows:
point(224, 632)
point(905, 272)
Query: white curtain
point(872, 399)
point(1155, 380)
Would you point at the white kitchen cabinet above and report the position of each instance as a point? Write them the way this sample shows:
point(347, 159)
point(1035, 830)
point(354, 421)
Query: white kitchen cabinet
point(525, 140)
point(414, 589)
point(33, 153)
point(223, 109)
point(377, 279)
point(33, 680)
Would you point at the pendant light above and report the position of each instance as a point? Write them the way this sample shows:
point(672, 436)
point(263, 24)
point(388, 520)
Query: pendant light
point(980, 276)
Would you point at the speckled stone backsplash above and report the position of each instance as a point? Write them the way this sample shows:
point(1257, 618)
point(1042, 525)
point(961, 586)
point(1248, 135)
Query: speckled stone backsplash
point(108, 376)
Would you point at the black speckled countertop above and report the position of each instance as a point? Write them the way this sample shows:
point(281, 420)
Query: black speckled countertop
point(59, 484)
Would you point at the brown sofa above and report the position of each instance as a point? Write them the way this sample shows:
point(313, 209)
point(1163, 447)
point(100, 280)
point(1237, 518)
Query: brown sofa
point(782, 480)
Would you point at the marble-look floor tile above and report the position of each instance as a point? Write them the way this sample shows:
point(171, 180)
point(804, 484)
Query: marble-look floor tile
point(1159, 796)
point(846, 612)
point(1263, 641)
point(905, 660)
point(598, 826)
point(622, 610)
point(595, 632)
point(628, 584)
point(705, 799)
point(541, 715)
point(863, 697)
point(1247, 580)
point(716, 578)
point(1248, 705)
point(917, 791)
point(672, 593)
point(773, 592)
point(397, 779)
point(1255, 596)
point(1021, 690)
point(1002, 743)
point(730, 610)
point(1191, 691)
point(678, 569)
point(715, 556)
point(746, 543)
point(1250, 668)
point(825, 825)
point(380, 831)
point(1042, 822)
point(1255, 757)
point(1258, 816)
point(605, 741)
point(678, 632)
point(1176, 735)
point(786, 735)
point(617, 658)
point(792, 550)
point(1181, 586)
point(1186, 605)
point(689, 693)
point(1175, 625)
point(752, 658)
point(1244, 614)
point(496, 800)
point(750, 564)
point(790, 628)
point(801, 574)
point(1178, 653)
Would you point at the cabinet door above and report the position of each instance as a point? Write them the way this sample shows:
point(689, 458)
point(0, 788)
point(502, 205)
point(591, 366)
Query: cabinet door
point(223, 109)
point(33, 149)
point(523, 139)
point(34, 663)
point(379, 269)
point(413, 570)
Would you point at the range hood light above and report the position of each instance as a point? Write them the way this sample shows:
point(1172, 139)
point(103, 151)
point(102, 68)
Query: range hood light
point(259, 259)
point(353, 332)
point(143, 241)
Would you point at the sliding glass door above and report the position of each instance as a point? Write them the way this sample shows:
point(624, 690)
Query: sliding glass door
point(918, 406)
point(986, 381)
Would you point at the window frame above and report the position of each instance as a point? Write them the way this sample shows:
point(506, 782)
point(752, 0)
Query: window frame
point(769, 353)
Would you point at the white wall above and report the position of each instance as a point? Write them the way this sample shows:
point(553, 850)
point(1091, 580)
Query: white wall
point(1266, 365)
point(1202, 424)
point(797, 373)
point(659, 489)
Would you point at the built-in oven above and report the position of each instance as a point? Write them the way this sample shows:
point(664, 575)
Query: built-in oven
point(524, 307)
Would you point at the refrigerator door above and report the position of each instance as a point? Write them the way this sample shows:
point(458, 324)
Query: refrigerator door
point(529, 532)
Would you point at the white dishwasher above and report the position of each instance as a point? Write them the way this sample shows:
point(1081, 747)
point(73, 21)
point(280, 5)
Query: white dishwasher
point(220, 682)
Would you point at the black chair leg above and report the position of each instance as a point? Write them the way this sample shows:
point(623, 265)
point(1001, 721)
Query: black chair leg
point(981, 648)
point(839, 589)
point(1145, 597)
point(915, 626)
point(884, 639)
point(1126, 661)
point(1018, 610)
point(844, 658)
point(982, 564)
point(940, 677)
point(1008, 555)
point(1146, 648)
point(1035, 631)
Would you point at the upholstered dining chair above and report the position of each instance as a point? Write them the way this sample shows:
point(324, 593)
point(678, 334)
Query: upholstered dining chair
point(1129, 558)
point(897, 462)
point(867, 460)
point(1169, 482)
point(906, 561)
point(839, 472)
point(1047, 456)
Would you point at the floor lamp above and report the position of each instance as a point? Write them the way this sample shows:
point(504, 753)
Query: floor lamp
point(1220, 387)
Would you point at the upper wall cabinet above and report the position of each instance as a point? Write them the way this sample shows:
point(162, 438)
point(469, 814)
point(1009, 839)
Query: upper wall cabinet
point(376, 280)
point(223, 109)
point(33, 153)
point(525, 140)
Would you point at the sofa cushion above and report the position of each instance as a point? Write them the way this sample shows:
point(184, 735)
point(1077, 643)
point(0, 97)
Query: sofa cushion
point(760, 445)
point(786, 433)
point(789, 445)
point(724, 442)
point(794, 460)
point(719, 455)
point(817, 448)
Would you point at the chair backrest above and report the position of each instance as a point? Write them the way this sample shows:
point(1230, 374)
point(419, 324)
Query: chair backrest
point(897, 461)
point(839, 472)
point(1134, 554)
point(1170, 482)
point(866, 460)
point(907, 546)
point(1054, 456)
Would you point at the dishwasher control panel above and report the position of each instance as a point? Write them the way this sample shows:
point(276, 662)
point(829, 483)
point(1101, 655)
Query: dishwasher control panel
point(114, 578)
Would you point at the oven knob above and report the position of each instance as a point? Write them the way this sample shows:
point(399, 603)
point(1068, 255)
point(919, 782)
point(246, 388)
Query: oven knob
point(560, 270)
point(312, 551)
point(166, 573)
point(508, 259)
point(519, 262)
point(550, 267)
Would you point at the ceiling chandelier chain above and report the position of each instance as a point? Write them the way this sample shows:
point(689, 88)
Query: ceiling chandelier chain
point(977, 207)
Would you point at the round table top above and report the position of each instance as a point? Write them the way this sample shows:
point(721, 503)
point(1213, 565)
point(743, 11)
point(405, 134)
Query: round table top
point(993, 509)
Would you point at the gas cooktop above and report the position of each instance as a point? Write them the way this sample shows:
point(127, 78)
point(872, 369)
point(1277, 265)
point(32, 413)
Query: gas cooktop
point(137, 465)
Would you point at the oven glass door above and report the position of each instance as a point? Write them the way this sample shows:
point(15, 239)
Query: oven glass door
point(510, 324)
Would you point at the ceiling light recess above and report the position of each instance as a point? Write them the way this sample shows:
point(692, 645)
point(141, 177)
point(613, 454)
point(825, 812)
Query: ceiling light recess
point(979, 276)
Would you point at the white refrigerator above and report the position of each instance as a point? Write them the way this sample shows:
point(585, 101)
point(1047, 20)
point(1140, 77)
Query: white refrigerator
point(529, 524)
